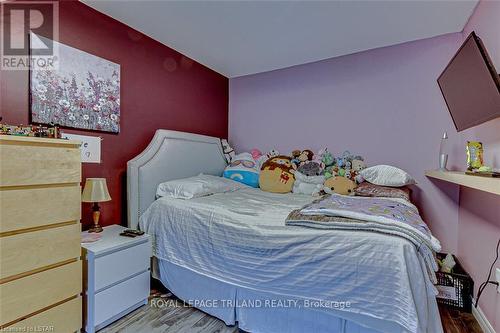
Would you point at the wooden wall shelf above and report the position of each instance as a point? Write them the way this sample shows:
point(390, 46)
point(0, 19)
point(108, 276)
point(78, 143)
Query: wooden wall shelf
point(487, 184)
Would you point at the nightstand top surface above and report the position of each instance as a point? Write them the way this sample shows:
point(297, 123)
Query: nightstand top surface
point(112, 241)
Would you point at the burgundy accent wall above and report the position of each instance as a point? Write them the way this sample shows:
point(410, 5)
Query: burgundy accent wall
point(160, 88)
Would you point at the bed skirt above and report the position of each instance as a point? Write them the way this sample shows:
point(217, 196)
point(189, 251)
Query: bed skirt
point(259, 312)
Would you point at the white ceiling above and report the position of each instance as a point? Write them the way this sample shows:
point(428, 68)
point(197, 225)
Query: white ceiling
point(237, 38)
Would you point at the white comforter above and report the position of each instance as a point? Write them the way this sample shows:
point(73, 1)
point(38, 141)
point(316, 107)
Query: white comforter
point(240, 238)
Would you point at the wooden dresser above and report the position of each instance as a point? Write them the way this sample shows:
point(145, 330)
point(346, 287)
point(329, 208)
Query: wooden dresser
point(40, 266)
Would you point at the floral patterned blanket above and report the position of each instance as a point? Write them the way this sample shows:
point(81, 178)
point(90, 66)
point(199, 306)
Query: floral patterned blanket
point(384, 215)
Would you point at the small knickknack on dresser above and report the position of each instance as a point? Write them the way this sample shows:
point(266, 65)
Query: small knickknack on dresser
point(40, 266)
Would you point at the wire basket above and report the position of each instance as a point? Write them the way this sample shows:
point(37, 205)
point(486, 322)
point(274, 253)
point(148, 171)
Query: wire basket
point(456, 288)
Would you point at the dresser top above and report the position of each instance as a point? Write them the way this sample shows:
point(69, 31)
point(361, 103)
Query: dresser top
point(35, 140)
point(111, 241)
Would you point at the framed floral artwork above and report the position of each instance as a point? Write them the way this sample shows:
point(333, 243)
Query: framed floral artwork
point(83, 92)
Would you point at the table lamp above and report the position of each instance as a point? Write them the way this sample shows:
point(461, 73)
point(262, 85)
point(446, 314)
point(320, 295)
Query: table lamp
point(95, 191)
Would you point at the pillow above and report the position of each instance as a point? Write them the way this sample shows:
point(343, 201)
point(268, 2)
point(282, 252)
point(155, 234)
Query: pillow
point(367, 189)
point(198, 186)
point(243, 169)
point(276, 175)
point(386, 175)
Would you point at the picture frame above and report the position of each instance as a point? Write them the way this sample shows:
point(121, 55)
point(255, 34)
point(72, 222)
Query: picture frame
point(81, 92)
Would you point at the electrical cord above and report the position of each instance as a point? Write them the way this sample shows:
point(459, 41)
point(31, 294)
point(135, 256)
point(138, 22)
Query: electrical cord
point(488, 281)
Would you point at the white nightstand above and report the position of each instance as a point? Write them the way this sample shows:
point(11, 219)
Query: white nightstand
point(116, 277)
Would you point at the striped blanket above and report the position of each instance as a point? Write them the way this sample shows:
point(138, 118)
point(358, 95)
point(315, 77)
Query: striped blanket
point(390, 216)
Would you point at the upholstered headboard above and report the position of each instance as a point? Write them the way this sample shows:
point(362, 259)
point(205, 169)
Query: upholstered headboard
point(170, 155)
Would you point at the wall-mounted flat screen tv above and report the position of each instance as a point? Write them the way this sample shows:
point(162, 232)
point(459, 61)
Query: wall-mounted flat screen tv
point(471, 85)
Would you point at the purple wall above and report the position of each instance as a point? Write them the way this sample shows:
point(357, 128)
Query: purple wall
point(479, 212)
point(385, 104)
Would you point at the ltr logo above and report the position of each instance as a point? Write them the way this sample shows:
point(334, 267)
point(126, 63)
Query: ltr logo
point(28, 30)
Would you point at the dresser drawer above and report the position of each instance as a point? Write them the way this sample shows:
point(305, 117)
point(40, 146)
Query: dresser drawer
point(63, 318)
point(24, 208)
point(28, 251)
point(120, 297)
point(35, 292)
point(32, 163)
point(121, 264)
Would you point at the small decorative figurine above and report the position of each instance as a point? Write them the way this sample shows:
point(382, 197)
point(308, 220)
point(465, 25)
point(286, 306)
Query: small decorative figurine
point(32, 130)
point(474, 155)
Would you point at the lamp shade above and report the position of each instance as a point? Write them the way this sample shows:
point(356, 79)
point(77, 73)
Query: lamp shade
point(95, 190)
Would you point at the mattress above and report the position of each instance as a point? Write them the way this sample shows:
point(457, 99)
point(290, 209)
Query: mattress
point(240, 238)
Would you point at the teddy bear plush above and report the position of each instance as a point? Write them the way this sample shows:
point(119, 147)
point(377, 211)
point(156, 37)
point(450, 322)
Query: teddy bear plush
point(358, 164)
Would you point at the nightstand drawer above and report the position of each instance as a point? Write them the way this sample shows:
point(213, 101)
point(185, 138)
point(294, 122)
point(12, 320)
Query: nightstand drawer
point(121, 264)
point(112, 301)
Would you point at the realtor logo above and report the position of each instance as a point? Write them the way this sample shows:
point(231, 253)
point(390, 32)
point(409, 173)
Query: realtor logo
point(28, 29)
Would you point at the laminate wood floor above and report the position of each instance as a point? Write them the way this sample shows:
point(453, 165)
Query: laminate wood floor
point(167, 314)
point(458, 322)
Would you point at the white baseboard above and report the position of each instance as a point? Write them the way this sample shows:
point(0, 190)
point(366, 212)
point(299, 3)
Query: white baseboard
point(481, 319)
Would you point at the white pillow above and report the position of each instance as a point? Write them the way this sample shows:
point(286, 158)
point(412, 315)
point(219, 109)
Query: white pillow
point(386, 175)
point(198, 186)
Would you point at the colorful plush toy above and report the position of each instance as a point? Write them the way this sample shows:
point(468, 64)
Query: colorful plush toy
point(329, 172)
point(272, 153)
point(326, 157)
point(243, 169)
point(339, 185)
point(310, 185)
point(265, 157)
point(277, 174)
point(301, 157)
point(256, 154)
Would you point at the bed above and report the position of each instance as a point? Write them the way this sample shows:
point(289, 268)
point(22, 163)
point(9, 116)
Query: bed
point(231, 255)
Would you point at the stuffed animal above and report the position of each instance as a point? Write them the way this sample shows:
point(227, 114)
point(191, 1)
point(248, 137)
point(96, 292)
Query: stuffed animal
point(256, 154)
point(358, 164)
point(311, 168)
point(272, 153)
point(277, 174)
point(265, 157)
point(339, 185)
point(243, 169)
point(310, 185)
point(326, 157)
point(227, 150)
point(301, 157)
point(330, 171)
